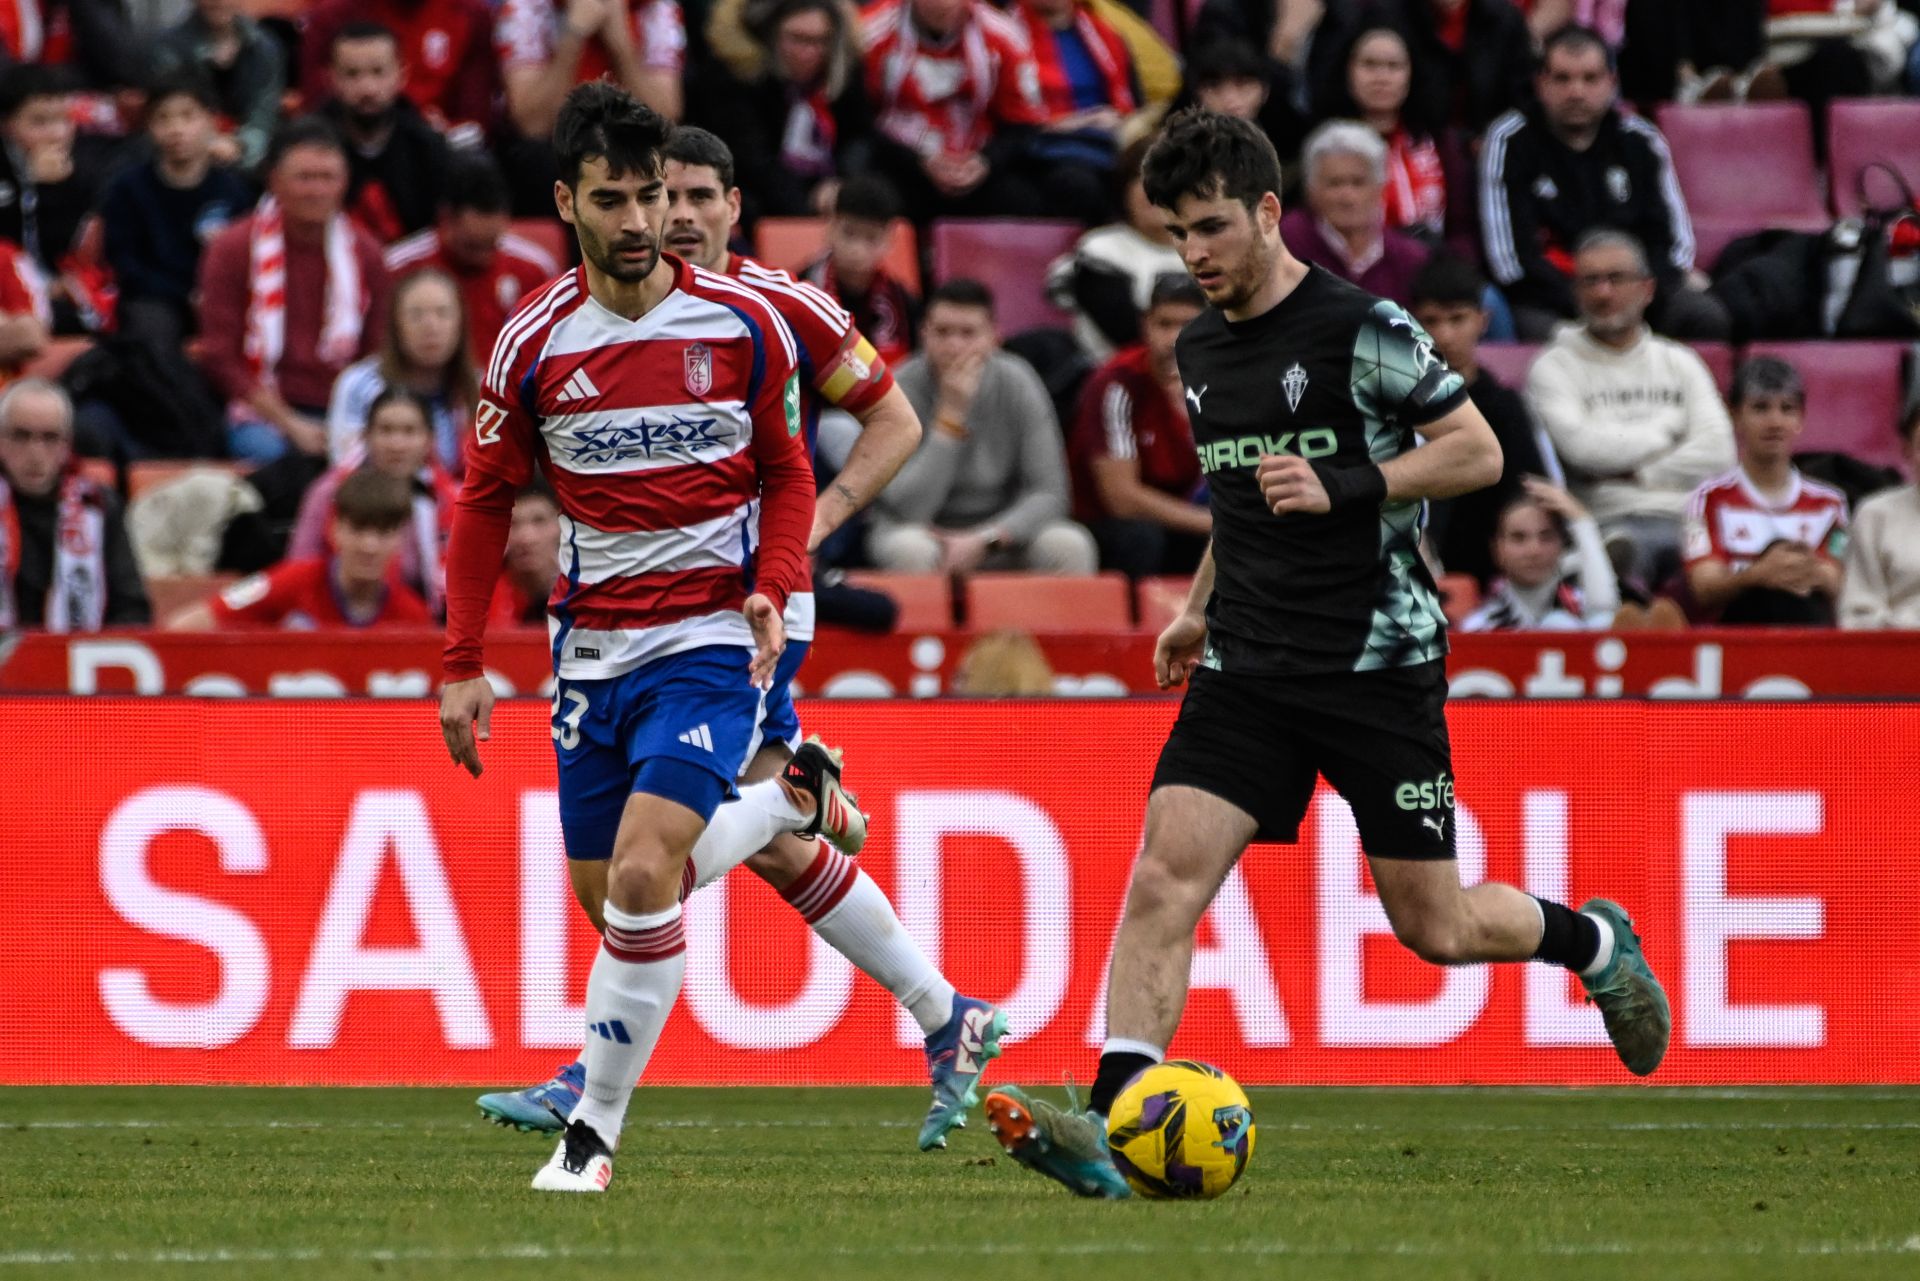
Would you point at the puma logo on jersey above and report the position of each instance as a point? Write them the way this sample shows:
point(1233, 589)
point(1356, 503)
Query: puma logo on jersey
point(1195, 396)
point(1438, 824)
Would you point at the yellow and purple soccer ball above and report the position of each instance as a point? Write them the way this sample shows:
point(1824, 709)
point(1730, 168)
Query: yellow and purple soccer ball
point(1181, 1131)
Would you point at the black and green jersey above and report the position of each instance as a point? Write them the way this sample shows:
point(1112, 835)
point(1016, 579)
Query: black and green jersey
point(1337, 376)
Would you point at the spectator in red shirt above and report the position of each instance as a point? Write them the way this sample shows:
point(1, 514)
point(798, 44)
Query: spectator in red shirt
point(546, 47)
point(445, 45)
point(533, 560)
point(290, 296)
point(1089, 89)
point(472, 243)
point(1136, 481)
point(957, 99)
point(357, 586)
point(398, 442)
point(26, 317)
point(1765, 544)
point(396, 161)
point(1343, 224)
point(854, 269)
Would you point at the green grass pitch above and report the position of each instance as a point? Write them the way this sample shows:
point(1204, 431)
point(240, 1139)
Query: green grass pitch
point(794, 1184)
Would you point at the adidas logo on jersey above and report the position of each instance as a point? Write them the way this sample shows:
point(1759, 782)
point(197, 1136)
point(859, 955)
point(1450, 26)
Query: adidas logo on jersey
point(699, 736)
point(578, 387)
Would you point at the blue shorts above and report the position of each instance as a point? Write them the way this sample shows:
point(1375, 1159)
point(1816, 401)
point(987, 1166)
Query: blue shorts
point(779, 722)
point(682, 727)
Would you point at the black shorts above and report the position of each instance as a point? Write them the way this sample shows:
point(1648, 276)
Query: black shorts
point(1379, 737)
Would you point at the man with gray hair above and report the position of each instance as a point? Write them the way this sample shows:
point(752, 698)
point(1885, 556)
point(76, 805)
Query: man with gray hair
point(1635, 418)
point(65, 562)
point(1343, 226)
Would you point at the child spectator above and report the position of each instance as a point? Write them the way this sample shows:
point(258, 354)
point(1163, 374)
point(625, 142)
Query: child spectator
point(1447, 301)
point(276, 363)
point(854, 273)
point(1883, 556)
point(357, 585)
point(424, 354)
point(1343, 227)
point(445, 45)
point(533, 560)
point(988, 486)
point(1764, 543)
point(1105, 281)
point(1534, 590)
point(50, 180)
point(396, 161)
point(65, 562)
point(159, 214)
point(398, 441)
point(245, 67)
point(1136, 477)
point(472, 242)
point(792, 102)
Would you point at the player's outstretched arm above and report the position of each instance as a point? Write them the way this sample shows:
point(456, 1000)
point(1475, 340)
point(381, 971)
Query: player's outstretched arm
point(889, 433)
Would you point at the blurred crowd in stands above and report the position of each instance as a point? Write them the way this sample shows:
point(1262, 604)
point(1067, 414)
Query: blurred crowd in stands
point(251, 253)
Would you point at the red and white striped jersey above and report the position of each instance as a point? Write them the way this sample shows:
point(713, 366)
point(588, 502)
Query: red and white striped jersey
point(1729, 519)
point(525, 32)
point(838, 367)
point(661, 437)
point(519, 267)
point(948, 95)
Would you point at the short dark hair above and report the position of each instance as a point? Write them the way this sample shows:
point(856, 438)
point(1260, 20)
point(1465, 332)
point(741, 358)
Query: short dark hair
point(1210, 156)
point(538, 488)
point(1176, 288)
point(392, 395)
point(369, 499)
point(302, 131)
point(1224, 58)
point(961, 291)
point(186, 81)
point(26, 81)
point(1449, 280)
point(598, 119)
point(692, 145)
point(1765, 376)
point(363, 30)
point(473, 181)
point(1573, 37)
point(870, 197)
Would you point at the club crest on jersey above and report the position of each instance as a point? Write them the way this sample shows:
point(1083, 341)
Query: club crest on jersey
point(1294, 383)
point(699, 369)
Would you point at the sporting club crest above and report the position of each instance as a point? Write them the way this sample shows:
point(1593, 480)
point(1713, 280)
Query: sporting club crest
point(699, 369)
point(1294, 383)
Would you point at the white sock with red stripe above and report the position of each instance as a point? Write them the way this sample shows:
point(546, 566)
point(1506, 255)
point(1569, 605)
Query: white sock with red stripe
point(634, 983)
point(740, 829)
point(847, 909)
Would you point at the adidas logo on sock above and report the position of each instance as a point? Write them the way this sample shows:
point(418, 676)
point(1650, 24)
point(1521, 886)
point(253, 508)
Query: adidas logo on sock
point(578, 387)
point(613, 1030)
point(699, 737)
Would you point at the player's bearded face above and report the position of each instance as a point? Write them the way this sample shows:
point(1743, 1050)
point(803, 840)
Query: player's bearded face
point(619, 220)
point(1225, 246)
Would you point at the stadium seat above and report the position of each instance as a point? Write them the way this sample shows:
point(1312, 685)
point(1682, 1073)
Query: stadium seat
point(55, 357)
point(1009, 256)
point(100, 471)
point(1863, 130)
point(168, 595)
point(1459, 596)
point(1744, 168)
point(1719, 361)
point(1042, 603)
point(1508, 362)
point(550, 234)
point(1160, 601)
point(791, 244)
point(925, 600)
point(1855, 391)
point(144, 476)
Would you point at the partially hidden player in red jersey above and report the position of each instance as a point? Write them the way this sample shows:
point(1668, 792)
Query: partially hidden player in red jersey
point(662, 403)
point(840, 371)
point(357, 584)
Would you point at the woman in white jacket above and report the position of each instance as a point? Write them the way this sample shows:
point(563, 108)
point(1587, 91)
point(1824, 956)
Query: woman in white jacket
point(1554, 571)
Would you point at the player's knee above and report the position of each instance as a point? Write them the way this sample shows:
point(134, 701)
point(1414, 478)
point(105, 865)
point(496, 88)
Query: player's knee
point(1160, 895)
point(644, 875)
point(1437, 938)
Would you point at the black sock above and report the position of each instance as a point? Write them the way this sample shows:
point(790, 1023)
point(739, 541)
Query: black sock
point(1117, 1067)
point(1571, 939)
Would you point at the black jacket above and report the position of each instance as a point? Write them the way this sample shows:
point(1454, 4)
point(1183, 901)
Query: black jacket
point(752, 119)
point(126, 593)
point(1462, 528)
point(1538, 197)
point(411, 167)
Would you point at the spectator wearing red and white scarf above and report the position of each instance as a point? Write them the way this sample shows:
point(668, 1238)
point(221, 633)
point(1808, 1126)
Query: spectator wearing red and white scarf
point(26, 316)
point(65, 562)
point(1089, 88)
point(957, 97)
point(289, 297)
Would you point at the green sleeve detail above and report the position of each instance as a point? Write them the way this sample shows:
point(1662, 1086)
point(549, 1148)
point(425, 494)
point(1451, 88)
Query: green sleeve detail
point(1398, 378)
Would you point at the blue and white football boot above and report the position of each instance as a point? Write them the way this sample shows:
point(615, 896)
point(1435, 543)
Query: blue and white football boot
point(957, 1055)
point(543, 1108)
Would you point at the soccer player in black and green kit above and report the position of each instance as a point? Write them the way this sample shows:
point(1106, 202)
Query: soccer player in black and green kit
point(1312, 642)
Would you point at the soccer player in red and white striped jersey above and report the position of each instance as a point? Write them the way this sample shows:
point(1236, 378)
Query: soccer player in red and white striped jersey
point(1763, 543)
point(663, 404)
